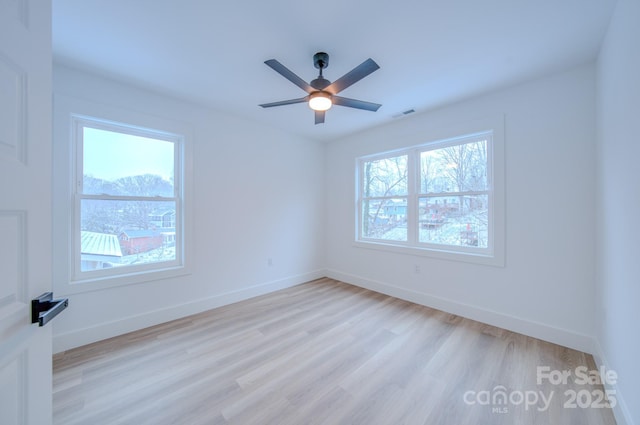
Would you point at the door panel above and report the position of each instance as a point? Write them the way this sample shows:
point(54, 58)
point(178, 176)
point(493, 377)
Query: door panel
point(13, 284)
point(25, 209)
point(13, 89)
point(11, 396)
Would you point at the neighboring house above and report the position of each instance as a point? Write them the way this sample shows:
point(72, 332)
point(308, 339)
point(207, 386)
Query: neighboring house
point(138, 241)
point(165, 222)
point(395, 210)
point(435, 213)
point(163, 219)
point(168, 236)
point(98, 250)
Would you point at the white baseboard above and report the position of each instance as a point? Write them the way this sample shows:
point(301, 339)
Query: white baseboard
point(77, 338)
point(620, 410)
point(541, 331)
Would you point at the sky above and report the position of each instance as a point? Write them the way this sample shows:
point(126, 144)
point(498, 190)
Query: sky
point(109, 155)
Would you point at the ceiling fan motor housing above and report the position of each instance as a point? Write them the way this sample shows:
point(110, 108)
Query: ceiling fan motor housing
point(319, 83)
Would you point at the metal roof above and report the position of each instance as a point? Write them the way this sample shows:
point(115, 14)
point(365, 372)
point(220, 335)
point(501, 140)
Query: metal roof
point(99, 244)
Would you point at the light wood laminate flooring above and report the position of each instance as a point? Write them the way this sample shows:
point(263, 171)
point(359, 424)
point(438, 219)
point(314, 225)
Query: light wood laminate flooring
point(320, 353)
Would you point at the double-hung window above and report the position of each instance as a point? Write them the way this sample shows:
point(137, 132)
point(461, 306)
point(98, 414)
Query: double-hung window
point(435, 197)
point(128, 199)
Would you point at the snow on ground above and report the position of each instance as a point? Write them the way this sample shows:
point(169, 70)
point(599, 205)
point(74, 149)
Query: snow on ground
point(452, 232)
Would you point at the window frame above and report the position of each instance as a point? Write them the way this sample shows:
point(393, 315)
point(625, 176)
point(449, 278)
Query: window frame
point(136, 273)
point(494, 253)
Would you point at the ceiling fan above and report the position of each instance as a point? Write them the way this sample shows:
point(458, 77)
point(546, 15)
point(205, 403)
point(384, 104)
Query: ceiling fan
point(322, 93)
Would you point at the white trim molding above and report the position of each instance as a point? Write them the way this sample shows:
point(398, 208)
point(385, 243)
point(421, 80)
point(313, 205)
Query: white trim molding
point(533, 329)
point(88, 335)
point(620, 410)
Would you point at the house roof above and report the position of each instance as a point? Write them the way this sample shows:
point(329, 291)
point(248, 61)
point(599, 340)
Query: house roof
point(137, 233)
point(99, 244)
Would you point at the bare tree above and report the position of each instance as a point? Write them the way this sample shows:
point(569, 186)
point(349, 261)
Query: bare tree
point(113, 216)
point(455, 160)
point(382, 178)
point(144, 185)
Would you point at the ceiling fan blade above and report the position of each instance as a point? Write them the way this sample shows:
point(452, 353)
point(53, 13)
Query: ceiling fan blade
point(285, 102)
point(353, 76)
point(319, 117)
point(353, 103)
point(289, 75)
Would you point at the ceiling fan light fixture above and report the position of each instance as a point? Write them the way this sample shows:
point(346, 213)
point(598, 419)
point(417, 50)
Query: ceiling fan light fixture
point(320, 101)
point(322, 93)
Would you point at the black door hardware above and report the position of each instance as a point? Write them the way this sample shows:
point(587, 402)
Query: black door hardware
point(44, 308)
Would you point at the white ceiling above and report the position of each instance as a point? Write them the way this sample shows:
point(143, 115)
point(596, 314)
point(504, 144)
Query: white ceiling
point(430, 52)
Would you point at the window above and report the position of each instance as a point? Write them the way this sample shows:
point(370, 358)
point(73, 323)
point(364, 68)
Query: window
point(128, 199)
point(436, 197)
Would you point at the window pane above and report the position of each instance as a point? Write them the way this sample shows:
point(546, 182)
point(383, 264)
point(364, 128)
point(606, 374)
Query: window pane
point(122, 164)
point(124, 233)
point(454, 220)
point(385, 219)
point(459, 168)
point(385, 177)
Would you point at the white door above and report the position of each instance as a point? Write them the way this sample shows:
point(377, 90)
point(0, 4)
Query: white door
point(25, 209)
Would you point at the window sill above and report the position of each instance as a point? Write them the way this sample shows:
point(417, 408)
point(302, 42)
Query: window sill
point(441, 254)
point(108, 282)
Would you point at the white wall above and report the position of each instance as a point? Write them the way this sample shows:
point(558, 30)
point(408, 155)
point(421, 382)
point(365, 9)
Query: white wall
point(547, 286)
point(256, 196)
point(619, 206)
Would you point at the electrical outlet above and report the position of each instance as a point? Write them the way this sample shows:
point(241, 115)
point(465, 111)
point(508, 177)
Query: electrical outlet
point(416, 268)
point(270, 262)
